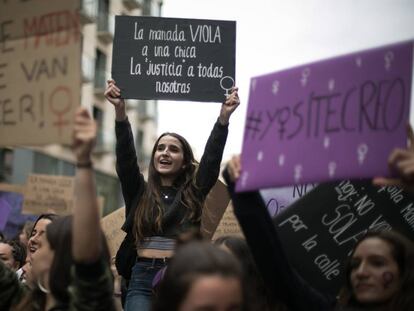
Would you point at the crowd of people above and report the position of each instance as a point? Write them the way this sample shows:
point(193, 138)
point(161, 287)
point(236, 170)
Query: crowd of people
point(63, 262)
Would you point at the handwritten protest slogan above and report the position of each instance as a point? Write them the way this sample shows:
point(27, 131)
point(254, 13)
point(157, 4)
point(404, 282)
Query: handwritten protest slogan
point(39, 71)
point(228, 225)
point(330, 120)
point(47, 193)
point(278, 199)
point(172, 58)
point(319, 230)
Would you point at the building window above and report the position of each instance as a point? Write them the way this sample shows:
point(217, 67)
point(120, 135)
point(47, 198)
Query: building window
point(139, 144)
point(103, 14)
point(100, 70)
point(108, 188)
point(98, 116)
point(44, 164)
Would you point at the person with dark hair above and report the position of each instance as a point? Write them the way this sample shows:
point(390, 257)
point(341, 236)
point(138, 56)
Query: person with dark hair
point(38, 229)
point(25, 233)
point(379, 274)
point(71, 262)
point(170, 203)
point(13, 254)
point(201, 276)
point(257, 295)
point(380, 270)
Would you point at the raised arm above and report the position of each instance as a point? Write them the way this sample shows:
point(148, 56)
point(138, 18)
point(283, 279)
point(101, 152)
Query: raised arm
point(127, 168)
point(283, 282)
point(209, 167)
point(92, 284)
point(86, 242)
point(401, 163)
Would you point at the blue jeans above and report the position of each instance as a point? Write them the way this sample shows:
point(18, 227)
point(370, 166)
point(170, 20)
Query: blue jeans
point(139, 294)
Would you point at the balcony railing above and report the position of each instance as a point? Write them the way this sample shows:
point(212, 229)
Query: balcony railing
point(106, 28)
point(88, 11)
point(133, 4)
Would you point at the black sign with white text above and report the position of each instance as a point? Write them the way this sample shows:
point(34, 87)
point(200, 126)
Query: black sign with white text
point(172, 58)
point(319, 230)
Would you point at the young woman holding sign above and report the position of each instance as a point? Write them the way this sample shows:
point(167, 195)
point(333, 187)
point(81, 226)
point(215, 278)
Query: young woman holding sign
point(169, 204)
point(379, 273)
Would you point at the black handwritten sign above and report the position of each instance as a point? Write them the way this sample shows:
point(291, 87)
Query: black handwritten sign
point(319, 230)
point(171, 58)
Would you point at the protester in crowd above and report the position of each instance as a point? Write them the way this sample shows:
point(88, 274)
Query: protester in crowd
point(25, 272)
point(39, 228)
point(26, 231)
point(13, 254)
point(257, 295)
point(71, 262)
point(201, 276)
point(168, 204)
point(379, 274)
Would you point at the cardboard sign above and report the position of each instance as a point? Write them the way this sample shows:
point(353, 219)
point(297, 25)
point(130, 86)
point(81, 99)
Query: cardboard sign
point(330, 120)
point(172, 58)
point(40, 77)
point(111, 225)
point(319, 230)
point(47, 193)
point(5, 210)
point(228, 225)
point(215, 206)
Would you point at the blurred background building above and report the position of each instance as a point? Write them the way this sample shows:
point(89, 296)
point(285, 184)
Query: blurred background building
point(97, 18)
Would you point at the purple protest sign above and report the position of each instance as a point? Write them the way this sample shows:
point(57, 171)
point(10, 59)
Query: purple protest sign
point(5, 210)
point(333, 119)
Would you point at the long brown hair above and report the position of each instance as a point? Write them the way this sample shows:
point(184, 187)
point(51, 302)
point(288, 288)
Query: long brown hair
point(59, 235)
point(148, 215)
point(191, 262)
point(402, 250)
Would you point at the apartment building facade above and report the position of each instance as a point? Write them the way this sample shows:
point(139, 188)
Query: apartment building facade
point(97, 18)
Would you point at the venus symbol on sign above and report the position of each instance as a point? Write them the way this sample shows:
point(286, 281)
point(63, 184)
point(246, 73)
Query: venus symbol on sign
point(230, 83)
point(275, 87)
point(388, 58)
point(260, 156)
point(298, 172)
point(281, 160)
point(362, 151)
point(331, 84)
point(305, 76)
point(326, 142)
point(244, 177)
point(332, 169)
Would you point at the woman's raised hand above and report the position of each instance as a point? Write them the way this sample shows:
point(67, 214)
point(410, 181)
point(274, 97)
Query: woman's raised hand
point(401, 162)
point(113, 95)
point(234, 168)
point(229, 106)
point(84, 137)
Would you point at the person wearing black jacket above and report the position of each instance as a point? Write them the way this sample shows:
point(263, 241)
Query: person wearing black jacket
point(379, 274)
point(169, 203)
